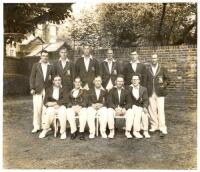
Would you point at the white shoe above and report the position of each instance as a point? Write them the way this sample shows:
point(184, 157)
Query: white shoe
point(153, 129)
point(91, 136)
point(137, 135)
point(34, 130)
point(146, 134)
point(128, 134)
point(43, 134)
point(111, 135)
point(63, 136)
point(104, 135)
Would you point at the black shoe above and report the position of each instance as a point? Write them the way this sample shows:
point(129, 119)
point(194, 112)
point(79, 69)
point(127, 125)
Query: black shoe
point(162, 135)
point(82, 136)
point(73, 135)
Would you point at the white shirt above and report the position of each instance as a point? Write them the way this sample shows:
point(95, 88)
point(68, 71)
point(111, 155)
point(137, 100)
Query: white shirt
point(134, 65)
point(44, 69)
point(110, 66)
point(75, 92)
point(135, 92)
point(97, 91)
point(87, 61)
point(154, 69)
point(55, 94)
point(63, 62)
point(119, 93)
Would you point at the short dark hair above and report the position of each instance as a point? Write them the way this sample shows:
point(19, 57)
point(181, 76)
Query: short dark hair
point(56, 76)
point(136, 74)
point(44, 51)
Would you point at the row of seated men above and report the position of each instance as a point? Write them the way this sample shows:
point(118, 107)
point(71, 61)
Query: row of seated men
point(87, 68)
point(132, 103)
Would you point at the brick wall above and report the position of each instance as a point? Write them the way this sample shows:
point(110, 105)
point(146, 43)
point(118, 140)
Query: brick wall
point(181, 62)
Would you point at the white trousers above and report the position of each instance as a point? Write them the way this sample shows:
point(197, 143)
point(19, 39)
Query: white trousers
point(102, 113)
point(37, 110)
point(82, 118)
point(49, 116)
point(157, 113)
point(128, 117)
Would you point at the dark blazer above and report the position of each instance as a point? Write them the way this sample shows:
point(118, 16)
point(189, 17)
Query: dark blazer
point(143, 100)
point(37, 81)
point(80, 100)
point(153, 81)
point(113, 100)
point(106, 75)
point(67, 74)
point(128, 73)
point(92, 98)
point(87, 77)
point(48, 97)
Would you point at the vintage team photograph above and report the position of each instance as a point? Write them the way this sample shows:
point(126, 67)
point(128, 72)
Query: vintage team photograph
point(93, 85)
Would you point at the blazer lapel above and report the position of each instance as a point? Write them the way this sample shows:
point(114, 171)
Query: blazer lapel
point(113, 66)
point(60, 66)
point(90, 64)
point(140, 91)
point(158, 70)
point(106, 66)
point(66, 67)
point(40, 70)
point(47, 74)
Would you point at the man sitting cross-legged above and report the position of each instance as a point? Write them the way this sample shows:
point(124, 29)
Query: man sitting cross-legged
point(54, 102)
point(97, 105)
point(139, 102)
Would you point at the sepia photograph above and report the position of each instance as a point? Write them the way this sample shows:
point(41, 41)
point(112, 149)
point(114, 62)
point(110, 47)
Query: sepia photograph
point(99, 85)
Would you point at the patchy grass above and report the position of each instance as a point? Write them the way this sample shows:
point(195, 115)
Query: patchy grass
point(24, 150)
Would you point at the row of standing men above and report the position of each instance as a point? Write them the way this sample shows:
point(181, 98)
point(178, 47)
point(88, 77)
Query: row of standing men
point(87, 68)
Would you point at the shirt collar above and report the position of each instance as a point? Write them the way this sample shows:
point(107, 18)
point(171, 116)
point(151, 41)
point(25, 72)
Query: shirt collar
point(76, 89)
point(57, 87)
point(44, 63)
point(99, 88)
point(137, 61)
point(66, 60)
point(90, 57)
point(117, 88)
point(155, 66)
point(106, 60)
point(134, 86)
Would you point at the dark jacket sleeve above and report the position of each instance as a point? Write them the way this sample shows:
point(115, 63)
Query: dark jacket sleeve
point(73, 70)
point(128, 99)
point(46, 97)
point(145, 98)
point(144, 75)
point(77, 67)
point(166, 78)
point(32, 77)
point(84, 102)
point(110, 100)
point(97, 67)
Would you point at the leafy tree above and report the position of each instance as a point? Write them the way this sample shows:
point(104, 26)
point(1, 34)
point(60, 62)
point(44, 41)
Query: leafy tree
point(23, 18)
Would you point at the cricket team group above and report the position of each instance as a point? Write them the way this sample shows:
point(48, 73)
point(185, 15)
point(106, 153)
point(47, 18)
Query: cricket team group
point(89, 88)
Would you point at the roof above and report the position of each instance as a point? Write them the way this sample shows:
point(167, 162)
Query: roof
point(50, 47)
point(31, 39)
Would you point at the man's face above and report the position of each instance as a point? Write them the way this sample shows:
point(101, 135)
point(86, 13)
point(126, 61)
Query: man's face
point(119, 82)
point(134, 56)
point(97, 82)
point(110, 54)
point(77, 83)
point(135, 80)
point(57, 81)
point(86, 50)
point(44, 57)
point(63, 54)
point(154, 59)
